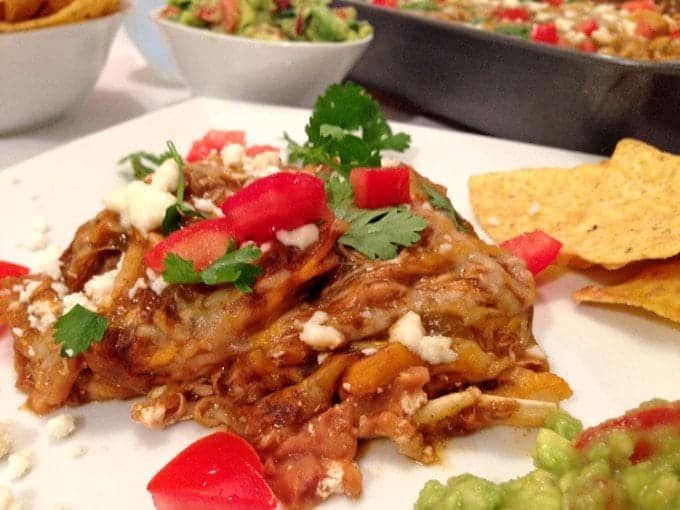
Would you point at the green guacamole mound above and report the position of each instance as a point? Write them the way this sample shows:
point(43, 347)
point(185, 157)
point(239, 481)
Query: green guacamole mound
point(271, 20)
point(598, 476)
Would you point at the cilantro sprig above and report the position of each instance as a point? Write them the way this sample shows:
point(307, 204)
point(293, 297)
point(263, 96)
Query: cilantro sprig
point(346, 130)
point(77, 329)
point(144, 163)
point(232, 267)
point(377, 233)
point(173, 215)
point(442, 202)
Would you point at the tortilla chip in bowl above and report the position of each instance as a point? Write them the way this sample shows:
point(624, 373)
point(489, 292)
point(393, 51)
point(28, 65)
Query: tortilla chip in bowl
point(56, 59)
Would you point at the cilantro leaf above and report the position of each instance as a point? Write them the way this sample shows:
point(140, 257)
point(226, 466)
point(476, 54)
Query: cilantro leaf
point(77, 329)
point(232, 267)
point(378, 233)
point(173, 215)
point(143, 162)
point(422, 6)
point(346, 130)
point(442, 202)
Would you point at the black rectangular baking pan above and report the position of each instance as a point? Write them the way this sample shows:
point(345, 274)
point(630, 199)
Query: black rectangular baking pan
point(517, 89)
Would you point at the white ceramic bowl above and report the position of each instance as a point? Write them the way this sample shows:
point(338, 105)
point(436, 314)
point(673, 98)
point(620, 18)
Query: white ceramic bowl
point(46, 71)
point(234, 67)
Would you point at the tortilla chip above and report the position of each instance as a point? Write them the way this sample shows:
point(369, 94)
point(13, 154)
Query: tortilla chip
point(75, 11)
point(656, 288)
point(612, 213)
point(20, 10)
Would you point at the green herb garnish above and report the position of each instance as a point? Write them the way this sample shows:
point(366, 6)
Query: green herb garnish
point(77, 329)
point(141, 162)
point(173, 215)
point(232, 267)
point(513, 30)
point(346, 130)
point(377, 233)
point(421, 6)
point(442, 202)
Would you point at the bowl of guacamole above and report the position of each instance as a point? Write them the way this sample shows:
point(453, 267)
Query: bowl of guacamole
point(628, 463)
point(272, 51)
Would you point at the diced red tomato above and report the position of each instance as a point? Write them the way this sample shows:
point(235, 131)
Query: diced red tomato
point(168, 11)
point(555, 3)
point(587, 45)
point(536, 248)
point(214, 139)
point(254, 150)
point(638, 5)
point(635, 421)
point(282, 201)
point(675, 33)
point(380, 187)
point(644, 29)
point(202, 242)
point(587, 26)
point(208, 14)
point(11, 269)
point(513, 14)
point(545, 33)
point(386, 3)
point(220, 471)
point(231, 15)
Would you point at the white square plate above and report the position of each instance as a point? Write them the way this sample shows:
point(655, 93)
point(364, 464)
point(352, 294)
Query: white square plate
point(612, 357)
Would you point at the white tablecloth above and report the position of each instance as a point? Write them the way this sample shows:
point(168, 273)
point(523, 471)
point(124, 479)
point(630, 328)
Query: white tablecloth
point(126, 89)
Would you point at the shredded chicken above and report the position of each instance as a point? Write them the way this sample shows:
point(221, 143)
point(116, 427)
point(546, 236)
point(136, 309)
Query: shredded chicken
point(237, 360)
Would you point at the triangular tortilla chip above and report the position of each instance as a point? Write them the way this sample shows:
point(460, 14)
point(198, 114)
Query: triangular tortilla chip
point(655, 288)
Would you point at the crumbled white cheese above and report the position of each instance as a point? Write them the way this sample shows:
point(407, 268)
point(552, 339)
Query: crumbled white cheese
point(139, 284)
point(563, 24)
point(535, 6)
point(41, 315)
point(389, 162)
point(99, 287)
point(346, 386)
point(166, 176)
point(17, 332)
point(322, 356)
point(629, 26)
point(207, 206)
point(411, 402)
point(603, 36)
point(26, 291)
point(61, 426)
point(48, 262)
point(156, 282)
point(77, 298)
point(232, 154)
point(18, 465)
point(7, 501)
point(534, 209)
point(5, 441)
point(409, 331)
point(152, 415)
point(576, 37)
point(493, 221)
point(60, 288)
point(38, 239)
point(318, 336)
point(263, 164)
point(302, 237)
point(31, 351)
point(445, 248)
point(140, 205)
point(265, 247)
point(511, 3)
point(543, 16)
point(332, 483)
point(78, 451)
point(369, 351)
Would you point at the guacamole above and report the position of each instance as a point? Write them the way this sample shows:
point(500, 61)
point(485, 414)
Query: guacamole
point(630, 462)
point(273, 20)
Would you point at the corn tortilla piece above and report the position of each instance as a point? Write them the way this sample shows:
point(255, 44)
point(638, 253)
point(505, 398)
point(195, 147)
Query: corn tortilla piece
point(77, 10)
point(655, 288)
point(20, 10)
point(613, 213)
